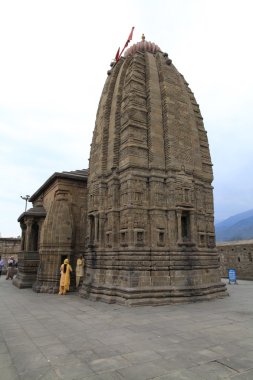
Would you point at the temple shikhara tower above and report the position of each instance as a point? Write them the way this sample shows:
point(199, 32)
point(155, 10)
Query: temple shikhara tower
point(143, 214)
point(150, 199)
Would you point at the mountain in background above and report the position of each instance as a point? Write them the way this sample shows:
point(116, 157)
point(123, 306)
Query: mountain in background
point(237, 227)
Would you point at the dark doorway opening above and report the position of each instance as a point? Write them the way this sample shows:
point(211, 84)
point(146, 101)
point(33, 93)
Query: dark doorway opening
point(185, 225)
point(34, 237)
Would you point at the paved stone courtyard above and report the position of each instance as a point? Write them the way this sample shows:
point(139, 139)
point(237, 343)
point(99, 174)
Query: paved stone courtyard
point(51, 337)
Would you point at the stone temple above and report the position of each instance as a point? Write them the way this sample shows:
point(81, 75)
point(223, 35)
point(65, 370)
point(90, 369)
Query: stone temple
point(144, 219)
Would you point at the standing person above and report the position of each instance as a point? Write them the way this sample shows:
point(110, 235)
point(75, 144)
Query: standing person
point(65, 277)
point(10, 268)
point(1, 265)
point(79, 269)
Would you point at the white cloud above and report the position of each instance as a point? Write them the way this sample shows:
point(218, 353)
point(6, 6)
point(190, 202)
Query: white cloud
point(54, 59)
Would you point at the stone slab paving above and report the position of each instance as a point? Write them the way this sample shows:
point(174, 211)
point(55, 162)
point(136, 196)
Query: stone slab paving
point(52, 337)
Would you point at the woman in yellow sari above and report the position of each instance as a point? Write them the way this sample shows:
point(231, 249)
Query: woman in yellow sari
point(65, 277)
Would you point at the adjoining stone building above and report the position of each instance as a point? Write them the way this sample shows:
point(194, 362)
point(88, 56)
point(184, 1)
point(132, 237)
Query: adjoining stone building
point(52, 230)
point(145, 220)
point(237, 255)
point(9, 247)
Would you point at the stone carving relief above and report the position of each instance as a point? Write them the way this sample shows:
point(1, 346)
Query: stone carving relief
point(161, 237)
point(211, 241)
point(110, 198)
point(210, 225)
point(95, 196)
point(184, 193)
point(139, 219)
point(137, 192)
point(108, 238)
point(62, 195)
point(139, 237)
point(109, 222)
point(157, 190)
point(124, 194)
point(124, 238)
point(208, 201)
point(199, 198)
point(201, 223)
point(133, 134)
point(171, 197)
point(124, 219)
point(182, 143)
point(202, 239)
point(135, 151)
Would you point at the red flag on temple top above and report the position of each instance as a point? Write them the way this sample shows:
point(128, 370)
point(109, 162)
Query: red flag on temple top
point(131, 35)
point(119, 54)
point(128, 40)
point(117, 57)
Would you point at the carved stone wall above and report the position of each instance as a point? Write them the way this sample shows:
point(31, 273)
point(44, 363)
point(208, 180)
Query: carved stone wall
point(53, 229)
point(237, 255)
point(150, 204)
point(9, 247)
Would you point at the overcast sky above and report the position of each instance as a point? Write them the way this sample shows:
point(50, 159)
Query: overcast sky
point(54, 58)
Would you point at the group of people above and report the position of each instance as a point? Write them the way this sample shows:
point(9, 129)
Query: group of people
point(11, 265)
point(66, 269)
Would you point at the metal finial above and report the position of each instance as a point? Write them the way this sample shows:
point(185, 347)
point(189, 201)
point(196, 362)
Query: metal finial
point(143, 37)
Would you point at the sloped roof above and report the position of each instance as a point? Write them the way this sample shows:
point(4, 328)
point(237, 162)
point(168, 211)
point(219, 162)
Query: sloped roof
point(34, 211)
point(78, 175)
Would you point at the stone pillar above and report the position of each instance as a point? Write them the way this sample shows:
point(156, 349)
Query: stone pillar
point(28, 260)
point(192, 228)
point(101, 237)
point(96, 228)
point(40, 223)
point(28, 223)
point(23, 239)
